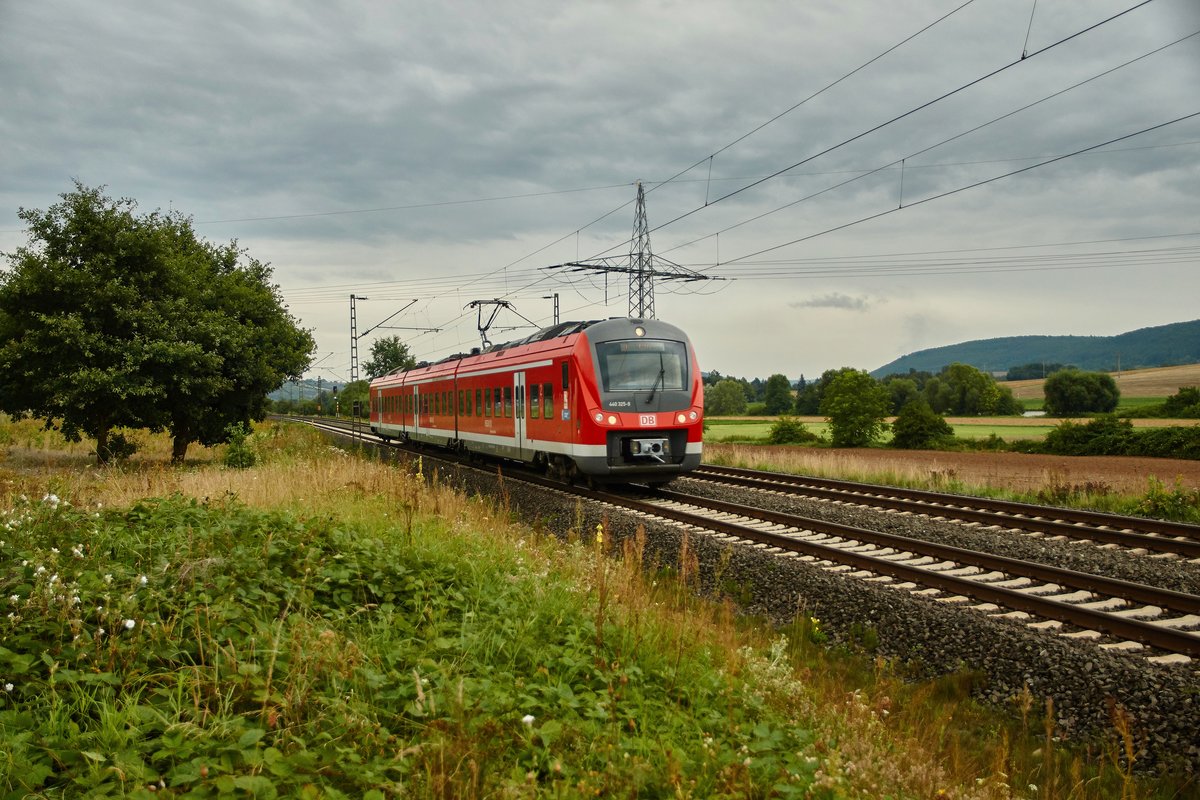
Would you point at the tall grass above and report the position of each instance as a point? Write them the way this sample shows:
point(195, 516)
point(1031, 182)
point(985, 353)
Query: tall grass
point(321, 625)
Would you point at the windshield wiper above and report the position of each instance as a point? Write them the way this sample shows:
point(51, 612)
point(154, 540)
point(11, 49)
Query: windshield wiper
point(662, 375)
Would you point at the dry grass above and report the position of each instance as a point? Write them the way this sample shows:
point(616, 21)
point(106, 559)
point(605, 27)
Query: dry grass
point(1155, 382)
point(874, 734)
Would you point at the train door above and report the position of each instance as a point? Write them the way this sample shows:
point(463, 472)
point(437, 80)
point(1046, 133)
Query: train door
point(520, 427)
point(416, 412)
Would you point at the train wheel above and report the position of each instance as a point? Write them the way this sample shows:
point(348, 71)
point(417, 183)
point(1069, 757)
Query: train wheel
point(559, 468)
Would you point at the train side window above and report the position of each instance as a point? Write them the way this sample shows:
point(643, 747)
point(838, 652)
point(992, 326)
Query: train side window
point(565, 373)
point(479, 402)
point(487, 402)
point(548, 404)
point(535, 401)
point(499, 403)
point(508, 401)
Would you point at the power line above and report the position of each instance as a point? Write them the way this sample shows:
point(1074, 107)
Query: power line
point(964, 188)
point(880, 126)
point(892, 164)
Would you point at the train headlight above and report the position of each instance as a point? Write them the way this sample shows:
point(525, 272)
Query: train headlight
point(681, 418)
point(598, 417)
point(639, 331)
point(612, 419)
point(693, 416)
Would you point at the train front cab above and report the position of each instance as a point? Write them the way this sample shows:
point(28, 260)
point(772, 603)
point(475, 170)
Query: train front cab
point(641, 410)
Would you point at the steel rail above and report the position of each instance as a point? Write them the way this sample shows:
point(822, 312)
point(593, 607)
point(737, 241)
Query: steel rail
point(1073, 523)
point(1147, 633)
point(1129, 590)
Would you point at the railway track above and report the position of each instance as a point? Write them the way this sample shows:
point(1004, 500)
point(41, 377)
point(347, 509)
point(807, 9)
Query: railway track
point(1131, 615)
point(1139, 533)
point(1116, 614)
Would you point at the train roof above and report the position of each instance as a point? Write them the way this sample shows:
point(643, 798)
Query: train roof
point(545, 334)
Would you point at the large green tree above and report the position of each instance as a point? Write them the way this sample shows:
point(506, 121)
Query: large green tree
point(1072, 391)
point(388, 354)
point(727, 398)
point(966, 391)
point(808, 399)
point(240, 342)
point(110, 318)
point(778, 395)
point(856, 405)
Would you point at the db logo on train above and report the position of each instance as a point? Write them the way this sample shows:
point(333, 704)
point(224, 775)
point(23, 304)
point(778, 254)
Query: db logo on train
point(647, 420)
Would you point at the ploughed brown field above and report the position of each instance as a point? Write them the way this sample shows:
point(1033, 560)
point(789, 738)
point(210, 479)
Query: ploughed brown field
point(1154, 382)
point(1015, 471)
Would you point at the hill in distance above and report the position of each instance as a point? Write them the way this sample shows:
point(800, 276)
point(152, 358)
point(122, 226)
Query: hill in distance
point(1160, 346)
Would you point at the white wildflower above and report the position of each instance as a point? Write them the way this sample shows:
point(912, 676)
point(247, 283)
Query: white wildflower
point(129, 624)
point(527, 720)
point(8, 687)
point(143, 580)
point(51, 500)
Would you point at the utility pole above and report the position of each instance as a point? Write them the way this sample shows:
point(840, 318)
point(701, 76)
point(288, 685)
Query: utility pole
point(553, 297)
point(354, 338)
point(354, 332)
point(642, 266)
point(641, 270)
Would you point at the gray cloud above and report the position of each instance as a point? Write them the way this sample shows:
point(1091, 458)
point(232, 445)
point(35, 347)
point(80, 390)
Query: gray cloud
point(243, 110)
point(834, 300)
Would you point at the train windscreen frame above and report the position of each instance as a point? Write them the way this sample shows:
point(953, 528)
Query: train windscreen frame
point(642, 365)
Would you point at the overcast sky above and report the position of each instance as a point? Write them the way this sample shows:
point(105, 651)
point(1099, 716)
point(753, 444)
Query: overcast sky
point(450, 152)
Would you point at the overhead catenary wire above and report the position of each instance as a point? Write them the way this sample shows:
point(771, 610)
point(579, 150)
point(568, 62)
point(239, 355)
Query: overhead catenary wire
point(892, 164)
point(967, 187)
point(927, 104)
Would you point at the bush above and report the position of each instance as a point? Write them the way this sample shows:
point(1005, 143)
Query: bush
point(1109, 436)
point(1184, 404)
point(120, 447)
point(1181, 504)
point(239, 454)
point(789, 430)
point(919, 427)
point(1103, 436)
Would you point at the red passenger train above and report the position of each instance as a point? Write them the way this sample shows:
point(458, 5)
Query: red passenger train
point(609, 401)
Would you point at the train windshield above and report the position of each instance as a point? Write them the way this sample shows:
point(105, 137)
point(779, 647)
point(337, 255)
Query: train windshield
point(642, 365)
